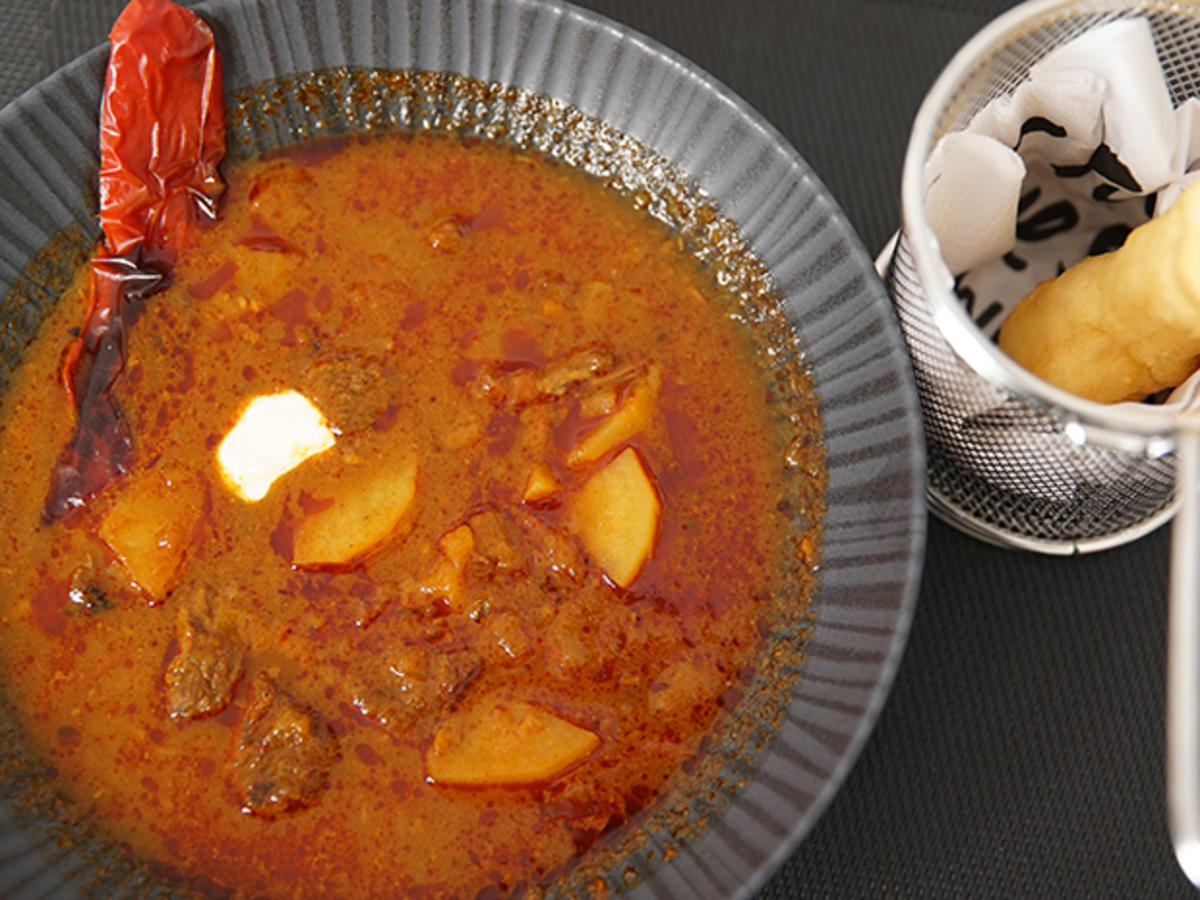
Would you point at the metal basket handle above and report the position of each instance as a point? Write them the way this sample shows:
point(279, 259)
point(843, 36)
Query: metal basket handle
point(1183, 661)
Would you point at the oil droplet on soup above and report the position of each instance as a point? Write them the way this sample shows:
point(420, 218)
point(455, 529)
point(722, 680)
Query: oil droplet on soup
point(462, 603)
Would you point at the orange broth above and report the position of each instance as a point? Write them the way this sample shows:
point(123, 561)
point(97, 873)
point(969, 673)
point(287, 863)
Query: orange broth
point(482, 310)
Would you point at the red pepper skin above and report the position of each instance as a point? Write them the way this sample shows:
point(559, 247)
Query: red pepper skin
point(162, 138)
point(162, 130)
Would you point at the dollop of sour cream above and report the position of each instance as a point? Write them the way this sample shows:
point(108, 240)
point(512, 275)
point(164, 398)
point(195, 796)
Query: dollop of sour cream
point(273, 435)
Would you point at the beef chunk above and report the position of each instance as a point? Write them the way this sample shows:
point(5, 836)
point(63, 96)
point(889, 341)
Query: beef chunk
point(498, 544)
point(202, 676)
point(556, 560)
point(588, 637)
point(517, 542)
point(516, 389)
point(284, 752)
point(418, 681)
point(351, 389)
point(581, 366)
point(498, 557)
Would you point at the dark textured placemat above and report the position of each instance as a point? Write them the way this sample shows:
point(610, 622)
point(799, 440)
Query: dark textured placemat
point(21, 40)
point(1020, 753)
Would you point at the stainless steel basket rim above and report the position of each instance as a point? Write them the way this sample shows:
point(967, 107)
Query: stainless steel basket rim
point(1131, 428)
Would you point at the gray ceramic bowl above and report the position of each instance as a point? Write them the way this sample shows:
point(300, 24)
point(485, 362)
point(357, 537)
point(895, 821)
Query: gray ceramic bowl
point(652, 120)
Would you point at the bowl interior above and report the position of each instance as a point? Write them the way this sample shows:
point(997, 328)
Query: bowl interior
point(789, 231)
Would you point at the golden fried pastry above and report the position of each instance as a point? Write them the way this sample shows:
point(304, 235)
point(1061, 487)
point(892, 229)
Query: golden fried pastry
point(1120, 326)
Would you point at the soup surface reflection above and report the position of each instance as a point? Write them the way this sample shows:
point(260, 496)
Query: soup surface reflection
point(458, 507)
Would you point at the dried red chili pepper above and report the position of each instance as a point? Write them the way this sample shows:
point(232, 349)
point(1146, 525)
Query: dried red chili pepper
point(162, 136)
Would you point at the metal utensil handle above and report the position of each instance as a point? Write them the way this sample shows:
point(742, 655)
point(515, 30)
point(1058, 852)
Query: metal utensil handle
point(1183, 660)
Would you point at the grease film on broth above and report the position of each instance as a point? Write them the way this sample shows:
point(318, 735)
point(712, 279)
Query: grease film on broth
point(365, 101)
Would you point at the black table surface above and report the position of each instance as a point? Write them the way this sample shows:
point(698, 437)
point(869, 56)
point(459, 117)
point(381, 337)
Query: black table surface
point(1020, 752)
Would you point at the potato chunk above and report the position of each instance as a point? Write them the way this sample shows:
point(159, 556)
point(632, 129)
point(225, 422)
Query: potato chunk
point(540, 485)
point(151, 524)
point(616, 515)
point(445, 579)
point(506, 743)
point(633, 415)
point(367, 506)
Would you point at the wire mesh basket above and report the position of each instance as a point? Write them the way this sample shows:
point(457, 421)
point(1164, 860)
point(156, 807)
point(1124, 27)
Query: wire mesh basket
point(1012, 459)
point(1015, 460)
